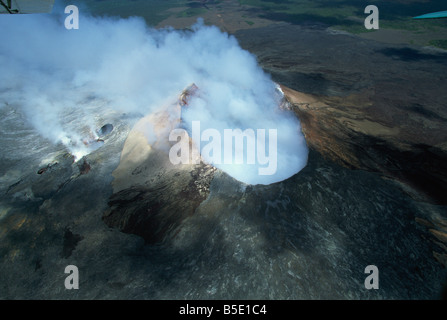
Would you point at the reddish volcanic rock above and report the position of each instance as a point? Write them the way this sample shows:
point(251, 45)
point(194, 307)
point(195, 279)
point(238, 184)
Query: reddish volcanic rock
point(349, 131)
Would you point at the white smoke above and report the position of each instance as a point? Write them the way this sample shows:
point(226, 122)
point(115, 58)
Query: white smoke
point(50, 72)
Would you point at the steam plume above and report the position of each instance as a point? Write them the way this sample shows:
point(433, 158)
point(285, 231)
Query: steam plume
point(56, 75)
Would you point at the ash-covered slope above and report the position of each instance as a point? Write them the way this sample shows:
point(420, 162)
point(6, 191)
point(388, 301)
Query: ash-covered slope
point(151, 195)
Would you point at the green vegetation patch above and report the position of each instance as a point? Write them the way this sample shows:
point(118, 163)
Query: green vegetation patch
point(439, 43)
point(153, 11)
point(349, 15)
point(191, 12)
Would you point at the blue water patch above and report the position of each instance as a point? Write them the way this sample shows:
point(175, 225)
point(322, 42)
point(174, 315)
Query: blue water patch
point(439, 14)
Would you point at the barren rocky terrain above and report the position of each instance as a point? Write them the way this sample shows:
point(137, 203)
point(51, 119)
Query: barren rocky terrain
point(373, 191)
